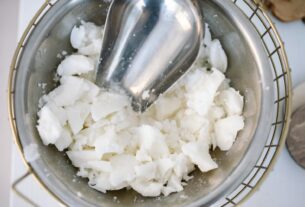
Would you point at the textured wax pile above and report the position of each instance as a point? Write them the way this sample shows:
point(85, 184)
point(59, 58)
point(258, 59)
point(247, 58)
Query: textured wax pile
point(154, 152)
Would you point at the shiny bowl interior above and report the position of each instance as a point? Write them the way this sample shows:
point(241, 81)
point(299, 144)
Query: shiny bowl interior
point(249, 71)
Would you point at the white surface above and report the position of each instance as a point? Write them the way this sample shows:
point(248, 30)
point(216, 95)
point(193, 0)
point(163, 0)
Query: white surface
point(285, 185)
point(8, 34)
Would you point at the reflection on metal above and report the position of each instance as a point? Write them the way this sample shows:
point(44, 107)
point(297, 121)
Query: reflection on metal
point(129, 60)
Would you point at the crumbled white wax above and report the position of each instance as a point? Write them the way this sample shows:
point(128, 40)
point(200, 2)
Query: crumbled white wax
point(154, 152)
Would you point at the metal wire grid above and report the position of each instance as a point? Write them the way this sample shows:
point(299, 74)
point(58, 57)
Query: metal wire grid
point(274, 47)
point(282, 82)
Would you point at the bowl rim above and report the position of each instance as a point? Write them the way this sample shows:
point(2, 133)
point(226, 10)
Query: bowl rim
point(12, 75)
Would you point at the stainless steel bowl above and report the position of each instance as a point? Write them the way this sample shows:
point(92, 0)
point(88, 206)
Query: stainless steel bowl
point(249, 71)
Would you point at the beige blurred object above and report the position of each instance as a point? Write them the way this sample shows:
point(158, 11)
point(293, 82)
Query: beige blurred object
point(287, 10)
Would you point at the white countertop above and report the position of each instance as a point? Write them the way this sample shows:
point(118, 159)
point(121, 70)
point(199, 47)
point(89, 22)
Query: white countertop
point(285, 186)
point(8, 34)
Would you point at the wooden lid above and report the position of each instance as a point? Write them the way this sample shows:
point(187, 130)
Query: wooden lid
point(287, 10)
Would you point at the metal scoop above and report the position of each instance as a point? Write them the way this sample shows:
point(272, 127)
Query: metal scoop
point(148, 45)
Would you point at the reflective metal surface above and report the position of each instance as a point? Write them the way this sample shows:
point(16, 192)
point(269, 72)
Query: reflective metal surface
point(249, 71)
point(147, 46)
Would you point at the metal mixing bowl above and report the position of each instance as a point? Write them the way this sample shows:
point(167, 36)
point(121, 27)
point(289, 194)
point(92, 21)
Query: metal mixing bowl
point(249, 71)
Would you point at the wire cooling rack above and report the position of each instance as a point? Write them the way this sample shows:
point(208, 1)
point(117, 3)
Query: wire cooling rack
point(255, 12)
